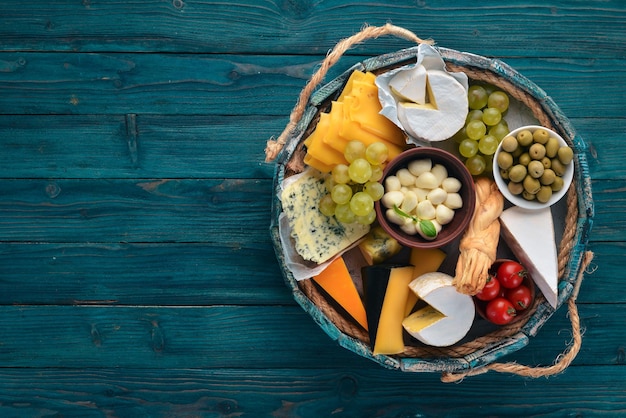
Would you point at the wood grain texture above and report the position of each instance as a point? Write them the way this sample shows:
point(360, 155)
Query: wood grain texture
point(137, 275)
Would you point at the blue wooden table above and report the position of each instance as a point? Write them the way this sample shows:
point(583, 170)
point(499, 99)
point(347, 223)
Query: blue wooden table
point(137, 275)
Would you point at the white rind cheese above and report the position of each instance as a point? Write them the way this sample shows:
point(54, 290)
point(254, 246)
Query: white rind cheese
point(457, 310)
point(410, 85)
point(317, 237)
point(530, 236)
point(442, 115)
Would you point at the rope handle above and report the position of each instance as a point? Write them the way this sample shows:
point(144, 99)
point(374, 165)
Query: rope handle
point(368, 32)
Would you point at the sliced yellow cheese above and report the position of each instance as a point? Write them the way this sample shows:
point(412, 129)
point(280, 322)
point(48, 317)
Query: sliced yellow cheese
point(337, 282)
point(421, 319)
point(356, 76)
point(424, 260)
point(317, 148)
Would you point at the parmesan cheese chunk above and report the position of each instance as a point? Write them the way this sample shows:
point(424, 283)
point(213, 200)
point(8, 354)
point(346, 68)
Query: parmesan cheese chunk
point(530, 236)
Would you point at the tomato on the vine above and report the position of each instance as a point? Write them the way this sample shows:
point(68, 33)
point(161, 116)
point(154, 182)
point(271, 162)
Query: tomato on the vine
point(520, 297)
point(491, 289)
point(511, 274)
point(500, 311)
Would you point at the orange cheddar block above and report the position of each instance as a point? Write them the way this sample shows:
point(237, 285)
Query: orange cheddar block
point(423, 260)
point(336, 281)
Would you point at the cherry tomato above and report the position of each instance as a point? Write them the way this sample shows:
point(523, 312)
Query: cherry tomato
point(520, 297)
point(511, 274)
point(500, 311)
point(491, 289)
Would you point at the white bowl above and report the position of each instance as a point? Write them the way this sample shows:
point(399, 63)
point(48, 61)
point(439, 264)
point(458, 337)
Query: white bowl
point(519, 200)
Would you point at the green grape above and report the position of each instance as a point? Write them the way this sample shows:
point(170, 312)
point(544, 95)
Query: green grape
point(374, 189)
point(476, 164)
point(488, 145)
point(344, 214)
point(329, 183)
point(360, 170)
point(477, 97)
point(475, 129)
point(491, 116)
point(354, 150)
point(340, 174)
point(468, 148)
point(500, 130)
point(499, 100)
point(361, 204)
point(475, 114)
point(376, 153)
point(341, 194)
point(327, 206)
point(377, 173)
point(367, 219)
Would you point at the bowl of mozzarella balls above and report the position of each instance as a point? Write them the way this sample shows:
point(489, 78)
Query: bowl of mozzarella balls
point(429, 198)
point(533, 167)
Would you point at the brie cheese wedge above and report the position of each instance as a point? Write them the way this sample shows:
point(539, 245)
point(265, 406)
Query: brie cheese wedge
point(530, 236)
point(410, 85)
point(448, 316)
point(443, 113)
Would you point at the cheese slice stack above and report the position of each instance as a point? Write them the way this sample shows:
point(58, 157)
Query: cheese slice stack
point(448, 316)
point(530, 236)
point(317, 237)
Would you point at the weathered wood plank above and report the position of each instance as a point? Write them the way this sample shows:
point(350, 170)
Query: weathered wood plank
point(540, 28)
point(221, 211)
point(228, 336)
point(131, 146)
point(341, 392)
point(122, 83)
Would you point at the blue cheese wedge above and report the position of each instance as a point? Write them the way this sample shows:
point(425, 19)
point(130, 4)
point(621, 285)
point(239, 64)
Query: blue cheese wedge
point(530, 236)
point(317, 237)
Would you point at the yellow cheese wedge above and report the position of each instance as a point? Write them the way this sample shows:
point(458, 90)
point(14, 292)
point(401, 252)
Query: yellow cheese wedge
point(318, 149)
point(424, 260)
point(336, 281)
point(356, 75)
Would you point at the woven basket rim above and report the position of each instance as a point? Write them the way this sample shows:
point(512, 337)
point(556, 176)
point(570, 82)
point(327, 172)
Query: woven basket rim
point(482, 350)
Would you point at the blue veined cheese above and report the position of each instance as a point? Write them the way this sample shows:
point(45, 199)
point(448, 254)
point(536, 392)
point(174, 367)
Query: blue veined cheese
point(317, 237)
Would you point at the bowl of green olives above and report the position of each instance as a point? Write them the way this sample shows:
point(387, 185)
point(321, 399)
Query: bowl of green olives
point(533, 167)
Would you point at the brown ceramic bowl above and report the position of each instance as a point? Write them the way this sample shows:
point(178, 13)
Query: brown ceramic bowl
point(481, 305)
point(462, 216)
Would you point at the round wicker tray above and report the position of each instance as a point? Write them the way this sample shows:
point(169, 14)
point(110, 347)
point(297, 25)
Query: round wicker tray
point(480, 353)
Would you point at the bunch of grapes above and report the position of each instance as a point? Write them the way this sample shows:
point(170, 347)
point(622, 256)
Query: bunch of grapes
point(353, 188)
point(484, 127)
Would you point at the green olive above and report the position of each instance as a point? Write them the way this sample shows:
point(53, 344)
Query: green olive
point(504, 174)
point(525, 138)
point(535, 169)
point(557, 184)
point(537, 151)
point(547, 163)
point(531, 184)
point(565, 154)
point(558, 167)
point(509, 143)
point(505, 160)
point(518, 151)
point(544, 194)
point(517, 173)
point(515, 188)
point(524, 159)
point(548, 177)
point(552, 147)
point(541, 136)
point(528, 196)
